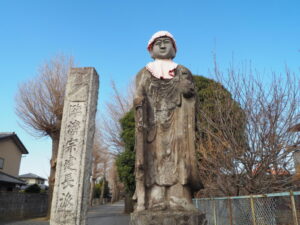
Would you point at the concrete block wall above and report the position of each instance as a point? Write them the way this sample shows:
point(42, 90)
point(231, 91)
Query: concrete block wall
point(15, 205)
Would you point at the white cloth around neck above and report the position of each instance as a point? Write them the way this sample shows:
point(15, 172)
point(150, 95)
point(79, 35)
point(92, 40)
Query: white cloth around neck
point(162, 68)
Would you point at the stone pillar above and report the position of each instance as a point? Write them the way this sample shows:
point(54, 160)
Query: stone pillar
point(72, 180)
point(296, 156)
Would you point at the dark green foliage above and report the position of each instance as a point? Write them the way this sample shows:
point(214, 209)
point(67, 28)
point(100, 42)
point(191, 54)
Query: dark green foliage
point(208, 90)
point(125, 160)
point(128, 133)
point(218, 112)
point(98, 188)
point(125, 166)
point(211, 95)
point(34, 188)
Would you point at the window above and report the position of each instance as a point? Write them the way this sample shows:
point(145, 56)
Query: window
point(1, 163)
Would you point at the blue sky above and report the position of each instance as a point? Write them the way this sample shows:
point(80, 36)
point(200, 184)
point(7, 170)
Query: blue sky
point(112, 36)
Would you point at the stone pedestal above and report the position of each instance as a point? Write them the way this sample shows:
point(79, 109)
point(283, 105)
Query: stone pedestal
point(148, 217)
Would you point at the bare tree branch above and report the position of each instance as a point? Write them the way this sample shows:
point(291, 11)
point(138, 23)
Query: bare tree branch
point(39, 105)
point(264, 161)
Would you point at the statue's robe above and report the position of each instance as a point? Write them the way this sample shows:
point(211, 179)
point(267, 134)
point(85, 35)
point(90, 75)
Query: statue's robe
point(169, 123)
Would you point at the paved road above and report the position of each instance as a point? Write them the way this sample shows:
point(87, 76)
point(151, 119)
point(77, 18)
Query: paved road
point(110, 214)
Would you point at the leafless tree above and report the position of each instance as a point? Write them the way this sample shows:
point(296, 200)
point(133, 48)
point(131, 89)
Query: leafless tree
point(39, 105)
point(116, 186)
point(119, 104)
point(101, 164)
point(257, 159)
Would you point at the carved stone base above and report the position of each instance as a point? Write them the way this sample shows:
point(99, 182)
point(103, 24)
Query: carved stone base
point(148, 217)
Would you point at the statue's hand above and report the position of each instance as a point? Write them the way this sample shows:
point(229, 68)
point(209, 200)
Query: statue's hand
point(187, 88)
point(141, 167)
point(138, 101)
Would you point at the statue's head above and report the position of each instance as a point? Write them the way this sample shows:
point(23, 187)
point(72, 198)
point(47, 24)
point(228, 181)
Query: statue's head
point(162, 45)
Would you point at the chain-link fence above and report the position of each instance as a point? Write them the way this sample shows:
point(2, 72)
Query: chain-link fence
point(268, 209)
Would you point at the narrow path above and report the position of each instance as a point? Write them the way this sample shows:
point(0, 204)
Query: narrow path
point(110, 214)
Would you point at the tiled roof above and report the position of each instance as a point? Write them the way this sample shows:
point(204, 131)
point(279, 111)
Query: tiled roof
point(10, 179)
point(5, 134)
point(31, 175)
point(295, 128)
point(14, 137)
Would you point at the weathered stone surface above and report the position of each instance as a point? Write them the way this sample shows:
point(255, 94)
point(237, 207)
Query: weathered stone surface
point(149, 217)
point(165, 140)
point(70, 196)
point(166, 123)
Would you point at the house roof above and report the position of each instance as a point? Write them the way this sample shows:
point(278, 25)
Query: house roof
point(295, 128)
point(4, 177)
point(31, 175)
point(14, 137)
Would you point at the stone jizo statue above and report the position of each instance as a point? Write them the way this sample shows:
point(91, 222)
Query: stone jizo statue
point(165, 105)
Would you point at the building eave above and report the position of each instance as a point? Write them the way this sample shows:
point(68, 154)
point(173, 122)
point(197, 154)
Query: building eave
point(15, 139)
point(6, 178)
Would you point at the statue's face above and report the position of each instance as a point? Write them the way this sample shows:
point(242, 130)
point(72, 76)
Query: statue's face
point(163, 48)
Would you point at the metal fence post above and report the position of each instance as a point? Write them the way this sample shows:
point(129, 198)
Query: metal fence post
point(215, 212)
point(252, 210)
point(294, 208)
point(230, 211)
